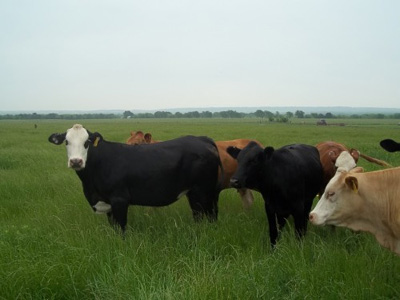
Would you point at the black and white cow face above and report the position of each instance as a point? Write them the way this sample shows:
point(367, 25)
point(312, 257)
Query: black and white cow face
point(250, 161)
point(77, 140)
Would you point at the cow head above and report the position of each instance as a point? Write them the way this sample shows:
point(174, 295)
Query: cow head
point(339, 201)
point(77, 140)
point(345, 161)
point(250, 160)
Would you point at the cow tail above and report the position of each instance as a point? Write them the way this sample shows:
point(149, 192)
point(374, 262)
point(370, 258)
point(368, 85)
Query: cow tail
point(221, 174)
point(376, 161)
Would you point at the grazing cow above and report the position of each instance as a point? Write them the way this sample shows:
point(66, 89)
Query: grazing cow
point(329, 152)
point(390, 145)
point(288, 179)
point(229, 164)
point(367, 201)
point(116, 175)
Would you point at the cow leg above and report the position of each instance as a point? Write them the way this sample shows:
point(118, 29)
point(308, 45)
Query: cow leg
point(281, 221)
point(119, 213)
point(273, 230)
point(201, 204)
point(300, 223)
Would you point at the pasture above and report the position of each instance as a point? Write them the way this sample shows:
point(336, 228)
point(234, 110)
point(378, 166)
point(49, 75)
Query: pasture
point(52, 246)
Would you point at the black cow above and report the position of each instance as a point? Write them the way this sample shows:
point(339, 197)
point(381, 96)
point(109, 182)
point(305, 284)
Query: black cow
point(288, 179)
point(390, 145)
point(116, 175)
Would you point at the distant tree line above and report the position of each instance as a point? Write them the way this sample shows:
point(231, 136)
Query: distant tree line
point(228, 114)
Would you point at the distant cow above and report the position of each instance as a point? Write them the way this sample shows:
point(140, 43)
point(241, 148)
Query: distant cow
point(137, 138)
point(363, 202)
point(390, 145)
point(288, 179)
point(329, 151)
point(116, 175)
point(229, 164)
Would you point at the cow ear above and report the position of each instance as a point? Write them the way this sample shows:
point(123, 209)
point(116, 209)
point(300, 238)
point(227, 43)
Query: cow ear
point(352, 183)
point(95, 138)
point(57, 138)
point(147, 138)
point(355, 153)
point(268, 151)
point(233, 151)
point(333, 155)
point(390, 145)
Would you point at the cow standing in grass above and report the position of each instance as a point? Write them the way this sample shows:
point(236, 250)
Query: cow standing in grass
point(229, 164)
point(116, 175)
point(288, 178)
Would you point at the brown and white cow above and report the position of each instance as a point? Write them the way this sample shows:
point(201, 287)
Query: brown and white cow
point(329, 151)
point(229, 164)
point(360, 201)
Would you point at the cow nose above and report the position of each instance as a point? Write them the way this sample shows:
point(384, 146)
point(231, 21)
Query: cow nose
point(235, 183)
point(312, 217)
point(76, 163)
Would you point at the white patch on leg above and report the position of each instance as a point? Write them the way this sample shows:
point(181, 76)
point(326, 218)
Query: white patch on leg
point(102, 207)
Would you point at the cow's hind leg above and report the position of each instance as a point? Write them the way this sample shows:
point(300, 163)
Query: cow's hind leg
point(203, 204)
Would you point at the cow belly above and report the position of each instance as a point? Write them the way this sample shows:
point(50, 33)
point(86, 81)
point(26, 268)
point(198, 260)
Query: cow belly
point(156, 197)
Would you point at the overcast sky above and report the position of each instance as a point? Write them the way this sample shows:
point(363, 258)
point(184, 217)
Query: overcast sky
point(90, 55)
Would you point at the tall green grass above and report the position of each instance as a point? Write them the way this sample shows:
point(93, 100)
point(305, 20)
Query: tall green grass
point(53, 247)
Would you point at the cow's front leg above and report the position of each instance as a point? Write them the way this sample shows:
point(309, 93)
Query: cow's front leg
point(119, 213)
point(273, 230)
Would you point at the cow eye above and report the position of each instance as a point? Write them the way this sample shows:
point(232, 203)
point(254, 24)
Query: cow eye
point(86, 144)
point(330, 196)
point(66, 143)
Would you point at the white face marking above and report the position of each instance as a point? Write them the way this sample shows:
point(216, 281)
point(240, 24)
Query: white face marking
point(327, 205)
point(76, 139)
point(345, 162)
point(102, 207)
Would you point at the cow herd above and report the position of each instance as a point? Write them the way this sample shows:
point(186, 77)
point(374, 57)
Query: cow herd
point(146, 172)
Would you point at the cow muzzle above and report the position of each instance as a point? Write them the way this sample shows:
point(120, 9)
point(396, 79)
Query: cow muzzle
point(76, 163)
point(235, 183)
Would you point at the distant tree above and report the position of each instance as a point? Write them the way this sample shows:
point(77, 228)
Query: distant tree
point(178, 115)
point(299, 114)
point(206, 114)
point(289, 115)
point(329, 115)
point(127, 114)
point(162, 114)
point(260, 114)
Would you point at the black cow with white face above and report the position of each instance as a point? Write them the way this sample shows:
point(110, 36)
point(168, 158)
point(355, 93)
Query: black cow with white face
point(288, 179)
point(116, 175)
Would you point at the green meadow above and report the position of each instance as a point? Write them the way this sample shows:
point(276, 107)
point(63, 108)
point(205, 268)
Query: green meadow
point(52, 246)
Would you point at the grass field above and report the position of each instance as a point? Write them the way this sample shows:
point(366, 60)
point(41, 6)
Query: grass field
point(52, 246)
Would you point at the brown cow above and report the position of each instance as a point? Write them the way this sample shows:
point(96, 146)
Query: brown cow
point(137, 137)
point(229, 164)
point(329, 152)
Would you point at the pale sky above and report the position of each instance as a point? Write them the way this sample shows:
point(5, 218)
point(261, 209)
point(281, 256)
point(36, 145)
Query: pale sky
point(116, 54)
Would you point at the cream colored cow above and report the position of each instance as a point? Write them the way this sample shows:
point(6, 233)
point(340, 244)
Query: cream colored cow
point(360, 201)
